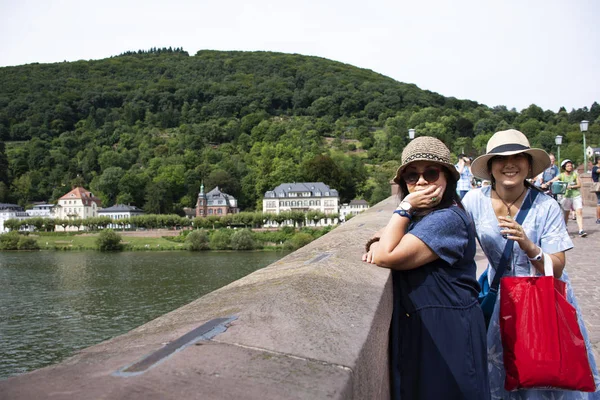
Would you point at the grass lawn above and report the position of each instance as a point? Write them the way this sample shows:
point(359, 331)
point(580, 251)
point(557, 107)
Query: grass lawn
point(88, 242)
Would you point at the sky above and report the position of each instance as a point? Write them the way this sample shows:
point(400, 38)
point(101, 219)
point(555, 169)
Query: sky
point(512, 53)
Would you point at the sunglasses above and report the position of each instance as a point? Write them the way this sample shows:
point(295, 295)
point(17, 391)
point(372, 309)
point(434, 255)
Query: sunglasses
point(431, 175)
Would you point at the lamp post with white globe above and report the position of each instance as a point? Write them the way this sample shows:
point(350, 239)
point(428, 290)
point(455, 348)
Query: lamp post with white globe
point(558, 141)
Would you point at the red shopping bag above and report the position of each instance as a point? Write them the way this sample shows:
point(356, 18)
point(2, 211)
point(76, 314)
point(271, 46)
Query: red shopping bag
point(542, 341)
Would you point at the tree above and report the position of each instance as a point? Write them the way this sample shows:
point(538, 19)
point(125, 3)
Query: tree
point(197, 240)
point(220, 240)
point(242, 240)
point(464, 127)
point(108, 185)
point(23, 188)
point(109, 240)
point(3, 165)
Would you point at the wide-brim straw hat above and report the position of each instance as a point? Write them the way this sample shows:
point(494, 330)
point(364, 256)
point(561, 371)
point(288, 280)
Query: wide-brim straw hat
point(426, 148)
point(507, 143)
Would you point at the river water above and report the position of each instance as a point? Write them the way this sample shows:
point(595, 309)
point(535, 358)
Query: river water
point(53, 303)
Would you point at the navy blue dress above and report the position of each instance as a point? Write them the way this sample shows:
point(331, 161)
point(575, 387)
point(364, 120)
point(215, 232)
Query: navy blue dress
point(438, 334)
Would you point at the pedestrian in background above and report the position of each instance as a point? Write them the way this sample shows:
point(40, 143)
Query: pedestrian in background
point(572, 198)
point(466, 177)
point(596, 179)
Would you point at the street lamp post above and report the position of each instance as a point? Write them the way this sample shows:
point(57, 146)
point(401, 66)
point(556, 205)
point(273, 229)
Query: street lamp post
point(558, 141)
point(583, 126)
point(411, 134)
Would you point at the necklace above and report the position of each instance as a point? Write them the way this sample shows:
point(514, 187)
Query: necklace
point(508, 206)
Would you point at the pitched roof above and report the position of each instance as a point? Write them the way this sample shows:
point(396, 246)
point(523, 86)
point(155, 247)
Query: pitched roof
point(359, 202)
point(82, 194)
point(11, 207)
point(316, 189)
point(214, 195)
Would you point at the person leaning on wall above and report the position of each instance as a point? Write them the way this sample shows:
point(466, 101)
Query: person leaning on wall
point(437, 333)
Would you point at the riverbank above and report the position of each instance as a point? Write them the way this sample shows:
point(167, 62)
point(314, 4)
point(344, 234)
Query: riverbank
point(167, 240)
point(87, 241)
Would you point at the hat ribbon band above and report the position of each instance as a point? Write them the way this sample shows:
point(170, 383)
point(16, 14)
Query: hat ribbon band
point(508, 147)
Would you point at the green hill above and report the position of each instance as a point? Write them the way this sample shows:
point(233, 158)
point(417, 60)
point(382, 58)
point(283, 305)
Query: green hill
point(147, 127)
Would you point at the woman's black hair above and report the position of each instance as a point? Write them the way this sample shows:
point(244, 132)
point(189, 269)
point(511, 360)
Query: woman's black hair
point(449, 197)
point(525, 182)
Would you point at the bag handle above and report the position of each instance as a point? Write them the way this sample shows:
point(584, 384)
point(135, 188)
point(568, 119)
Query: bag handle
point(548, 265)
point(509, 243)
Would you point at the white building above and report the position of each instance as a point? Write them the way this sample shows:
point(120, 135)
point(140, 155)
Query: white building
point(119, 212)
point(11, 211)
point(79, 203)
point(354, 208)
point(304, 197)
point(41, 211)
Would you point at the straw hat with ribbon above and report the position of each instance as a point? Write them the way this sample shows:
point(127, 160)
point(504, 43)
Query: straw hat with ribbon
point(507, 143)
point(426, 148)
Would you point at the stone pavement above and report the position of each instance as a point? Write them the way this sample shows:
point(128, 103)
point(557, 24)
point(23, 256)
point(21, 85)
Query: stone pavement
point(583, 268)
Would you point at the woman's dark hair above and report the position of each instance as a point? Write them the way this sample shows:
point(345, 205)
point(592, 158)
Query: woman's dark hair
point(449, 197)
point(525, 182)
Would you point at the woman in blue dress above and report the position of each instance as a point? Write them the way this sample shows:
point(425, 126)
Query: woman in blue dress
point(437, 332)
point(508, 162)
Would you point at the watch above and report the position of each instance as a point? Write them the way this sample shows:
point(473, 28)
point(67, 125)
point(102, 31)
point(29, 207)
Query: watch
point(406, 206)
point(538, 257)
point(403, 213)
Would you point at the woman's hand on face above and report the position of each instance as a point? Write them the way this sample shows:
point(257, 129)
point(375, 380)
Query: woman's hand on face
point(510, 229)
point(426, 198)
point(368, 256)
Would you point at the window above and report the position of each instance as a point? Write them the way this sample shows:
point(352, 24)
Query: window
point(219, 211)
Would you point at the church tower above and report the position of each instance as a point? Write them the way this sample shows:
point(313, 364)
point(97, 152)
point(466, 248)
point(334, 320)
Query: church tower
point(201, 204)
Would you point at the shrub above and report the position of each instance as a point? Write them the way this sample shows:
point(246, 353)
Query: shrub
point(27, 243)
point(197, 240)
point(300, 239)
point(9, 241)
point(109, 240)
point(242, 240)
point(219, 240)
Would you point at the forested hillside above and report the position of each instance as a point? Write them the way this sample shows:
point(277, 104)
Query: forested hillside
point(146, 128)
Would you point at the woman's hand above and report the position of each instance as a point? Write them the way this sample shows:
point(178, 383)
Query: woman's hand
point(510, 229)
point(426, 198)
point(368, 256)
